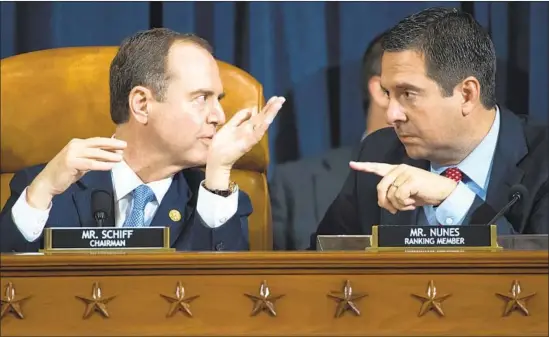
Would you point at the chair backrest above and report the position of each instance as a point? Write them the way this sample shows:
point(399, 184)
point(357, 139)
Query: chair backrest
point(51, 96)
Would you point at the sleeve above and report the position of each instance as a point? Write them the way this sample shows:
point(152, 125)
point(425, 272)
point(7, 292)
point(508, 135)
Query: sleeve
point(538, 221)
point(233, 235)
point(29, 220)
point(216, 210)
point(454, 209)
point(20, 237)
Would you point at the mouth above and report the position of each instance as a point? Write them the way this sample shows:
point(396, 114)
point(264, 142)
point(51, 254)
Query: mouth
point(206, 140)
point(405, 138)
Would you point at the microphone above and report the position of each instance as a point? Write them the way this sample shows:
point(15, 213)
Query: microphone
point(517, 193)
point(101, 205)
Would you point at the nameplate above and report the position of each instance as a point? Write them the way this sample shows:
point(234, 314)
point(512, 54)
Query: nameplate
point(475, 237)
point(89, 239)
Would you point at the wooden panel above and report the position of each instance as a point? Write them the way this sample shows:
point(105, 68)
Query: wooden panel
point(305, 280)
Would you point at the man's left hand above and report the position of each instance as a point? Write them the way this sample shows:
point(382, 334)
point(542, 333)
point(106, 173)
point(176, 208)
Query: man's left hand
point(404, 187)
point(244, 130)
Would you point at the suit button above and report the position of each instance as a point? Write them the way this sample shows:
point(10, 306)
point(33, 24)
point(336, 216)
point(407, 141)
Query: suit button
point(219, 246)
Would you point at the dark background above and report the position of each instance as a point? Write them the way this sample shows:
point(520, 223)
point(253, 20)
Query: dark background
point(309, 52)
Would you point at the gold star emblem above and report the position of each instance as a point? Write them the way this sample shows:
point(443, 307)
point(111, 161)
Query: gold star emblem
point(346, 300)
point(10, 304)
point(431, 301)
point(265, 301)
point(96, 302)
point(175, 215)
point(179, 302)
point(515, 301)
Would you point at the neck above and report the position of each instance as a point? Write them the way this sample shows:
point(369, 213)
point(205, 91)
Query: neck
point(480, 123)
point(146, 161)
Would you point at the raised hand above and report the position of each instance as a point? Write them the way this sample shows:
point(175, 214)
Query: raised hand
point(236, 138)
point(77, 158)
point(405, 187)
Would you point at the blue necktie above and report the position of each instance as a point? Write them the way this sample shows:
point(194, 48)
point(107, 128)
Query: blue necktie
point(142, 195)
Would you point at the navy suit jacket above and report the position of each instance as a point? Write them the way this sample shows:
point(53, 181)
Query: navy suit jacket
point(520, 157)
point(72, 208)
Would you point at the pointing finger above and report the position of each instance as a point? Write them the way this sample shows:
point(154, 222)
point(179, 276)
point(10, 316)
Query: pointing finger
point(381, 169)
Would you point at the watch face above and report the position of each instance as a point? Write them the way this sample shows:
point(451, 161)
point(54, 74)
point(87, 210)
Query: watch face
point(223, 193)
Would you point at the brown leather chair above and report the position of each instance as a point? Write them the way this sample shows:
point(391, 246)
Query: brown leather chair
point(49, 97)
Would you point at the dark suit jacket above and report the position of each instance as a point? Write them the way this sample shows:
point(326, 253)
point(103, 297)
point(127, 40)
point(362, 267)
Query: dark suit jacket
point(301, 192)
point(520, 157)
point(73, 208)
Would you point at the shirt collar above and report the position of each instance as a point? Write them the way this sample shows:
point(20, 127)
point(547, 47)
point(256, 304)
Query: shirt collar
point(476, 165)
point(125, 181)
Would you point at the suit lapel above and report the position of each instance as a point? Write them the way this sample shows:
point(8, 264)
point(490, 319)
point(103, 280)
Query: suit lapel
point(406, 218)
point(176, 208)
point(510, 149)
point(179, 200)
point(92, 181)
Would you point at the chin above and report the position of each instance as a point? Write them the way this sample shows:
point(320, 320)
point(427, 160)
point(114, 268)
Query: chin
point(195, 159)
point(415, 152)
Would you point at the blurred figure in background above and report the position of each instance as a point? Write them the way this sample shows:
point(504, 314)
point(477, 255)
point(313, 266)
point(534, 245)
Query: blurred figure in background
point(302, 191)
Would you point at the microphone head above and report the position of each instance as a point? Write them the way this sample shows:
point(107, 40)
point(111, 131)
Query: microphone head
point(101, 201)
point(518, 189)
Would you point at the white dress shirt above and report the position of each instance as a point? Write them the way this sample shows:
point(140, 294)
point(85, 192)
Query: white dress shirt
point(477, 169)
point(215, 210)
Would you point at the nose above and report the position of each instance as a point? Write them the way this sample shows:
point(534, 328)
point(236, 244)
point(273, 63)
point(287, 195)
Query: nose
point(395, 113)
point(217, 115)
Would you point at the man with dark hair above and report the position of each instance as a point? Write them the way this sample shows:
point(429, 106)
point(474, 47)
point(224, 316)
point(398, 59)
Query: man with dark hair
point(301, 191)
point(165, 92)
point(452, 155)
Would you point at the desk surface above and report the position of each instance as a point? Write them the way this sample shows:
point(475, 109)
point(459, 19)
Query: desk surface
point(33, 262)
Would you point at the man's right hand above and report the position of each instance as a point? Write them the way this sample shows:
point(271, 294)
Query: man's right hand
point(77, 158)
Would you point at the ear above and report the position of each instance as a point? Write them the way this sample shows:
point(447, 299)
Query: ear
point(140, 100)
point(376, 93)
point(470, 93)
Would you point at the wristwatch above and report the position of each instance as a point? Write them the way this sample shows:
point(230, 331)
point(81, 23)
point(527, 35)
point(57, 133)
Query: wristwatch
point(223, 193)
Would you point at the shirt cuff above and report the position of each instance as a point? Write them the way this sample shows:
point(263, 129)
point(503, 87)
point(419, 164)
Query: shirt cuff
point(29, 220)
point(452, 211)
point(214, 209)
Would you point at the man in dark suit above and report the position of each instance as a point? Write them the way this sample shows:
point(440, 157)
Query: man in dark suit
point(452, 155)
point(164, 90)
point(301, 191)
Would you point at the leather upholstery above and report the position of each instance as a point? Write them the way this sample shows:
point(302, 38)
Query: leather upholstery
point(52, 96)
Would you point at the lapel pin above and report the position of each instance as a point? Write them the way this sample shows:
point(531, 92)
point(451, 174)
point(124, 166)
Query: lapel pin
point(175, 215)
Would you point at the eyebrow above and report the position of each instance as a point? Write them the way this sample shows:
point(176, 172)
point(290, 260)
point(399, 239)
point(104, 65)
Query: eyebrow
point(408, 86)
point(208, 93)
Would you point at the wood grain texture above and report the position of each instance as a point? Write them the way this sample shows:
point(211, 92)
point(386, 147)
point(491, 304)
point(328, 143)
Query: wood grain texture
point(305, 279)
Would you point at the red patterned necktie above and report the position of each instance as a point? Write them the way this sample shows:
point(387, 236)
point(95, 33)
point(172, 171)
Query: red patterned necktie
point(453, 173)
